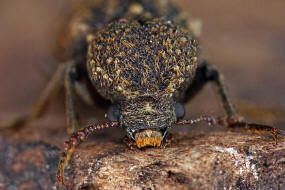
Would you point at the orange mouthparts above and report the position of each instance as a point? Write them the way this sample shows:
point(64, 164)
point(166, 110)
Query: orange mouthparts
point(148, 138)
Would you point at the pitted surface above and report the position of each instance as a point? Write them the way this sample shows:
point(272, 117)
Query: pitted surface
point(145, 56)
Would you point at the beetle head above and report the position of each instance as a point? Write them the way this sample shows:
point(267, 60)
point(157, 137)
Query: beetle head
point(147, 118)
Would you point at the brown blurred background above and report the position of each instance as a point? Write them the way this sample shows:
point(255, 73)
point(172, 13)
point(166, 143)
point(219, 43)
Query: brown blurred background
point(245, 39)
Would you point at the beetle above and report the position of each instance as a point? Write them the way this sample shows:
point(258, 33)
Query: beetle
point(144, 58)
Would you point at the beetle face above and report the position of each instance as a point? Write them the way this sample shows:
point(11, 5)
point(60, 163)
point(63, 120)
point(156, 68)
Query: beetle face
point(147, 118)
point(145, 126)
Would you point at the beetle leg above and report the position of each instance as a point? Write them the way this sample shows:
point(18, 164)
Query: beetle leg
point(38, 109)
point(232, 123)
point(72, 118)
point(70, 145)
point(79, 78)
point(207, 73)
point(82, 91)
point(65, 74)
point(76, 83)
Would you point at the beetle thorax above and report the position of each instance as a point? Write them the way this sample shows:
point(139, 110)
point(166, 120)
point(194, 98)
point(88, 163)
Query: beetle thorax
point(138, 57)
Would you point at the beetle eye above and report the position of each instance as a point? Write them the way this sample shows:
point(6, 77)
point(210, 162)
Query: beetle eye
point(179, 110)
point(113, 113)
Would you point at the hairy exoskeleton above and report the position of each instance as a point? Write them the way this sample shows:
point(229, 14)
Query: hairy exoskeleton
point(147, 66)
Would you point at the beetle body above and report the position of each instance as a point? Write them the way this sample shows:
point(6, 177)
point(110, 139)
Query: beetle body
point(137, 57)
point(143, 66)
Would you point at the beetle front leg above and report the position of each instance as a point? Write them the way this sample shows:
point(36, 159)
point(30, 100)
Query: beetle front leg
point(207, 73)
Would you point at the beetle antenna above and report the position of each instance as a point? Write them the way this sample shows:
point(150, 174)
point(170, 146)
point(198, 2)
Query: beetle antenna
point(69, 146)
point(232, 123)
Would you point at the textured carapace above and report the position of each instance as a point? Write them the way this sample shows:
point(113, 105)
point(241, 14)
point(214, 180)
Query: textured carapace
point(143, 65)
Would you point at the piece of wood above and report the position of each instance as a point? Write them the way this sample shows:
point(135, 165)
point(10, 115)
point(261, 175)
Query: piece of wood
point(219, 160)
point(215, 161)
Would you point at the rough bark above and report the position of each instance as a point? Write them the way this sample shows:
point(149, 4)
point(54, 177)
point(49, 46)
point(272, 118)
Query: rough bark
point(217, 160)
